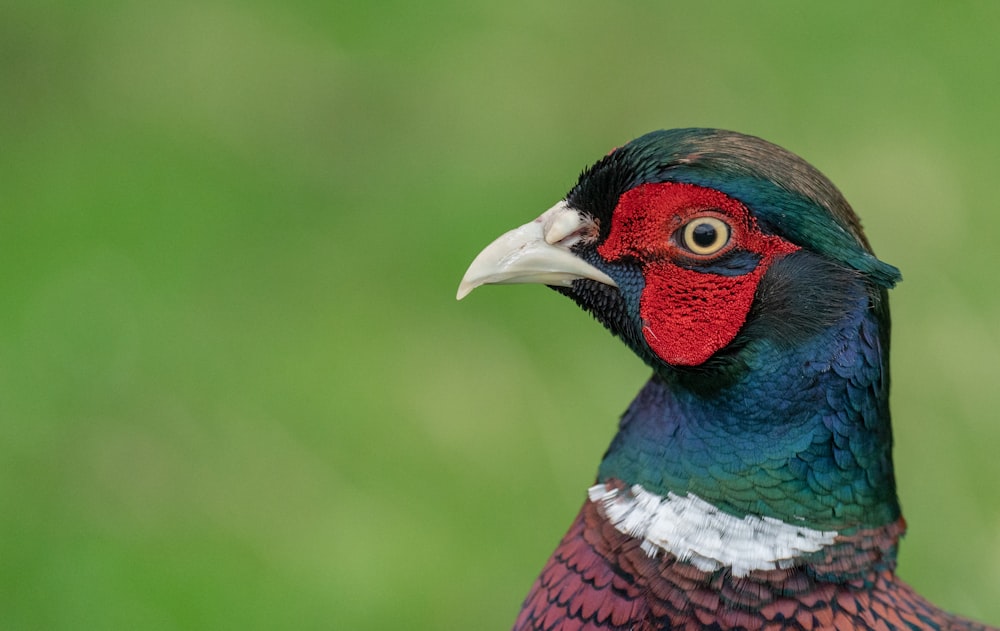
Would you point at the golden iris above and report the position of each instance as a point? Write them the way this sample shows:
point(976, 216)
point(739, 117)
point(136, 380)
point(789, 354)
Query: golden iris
point(705, 235)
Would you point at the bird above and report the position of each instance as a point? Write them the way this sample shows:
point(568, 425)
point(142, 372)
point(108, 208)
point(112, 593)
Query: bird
point(750, 484)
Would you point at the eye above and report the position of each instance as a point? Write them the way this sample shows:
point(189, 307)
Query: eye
point(705, 235)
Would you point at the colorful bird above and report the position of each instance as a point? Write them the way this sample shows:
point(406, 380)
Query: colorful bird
point(751, 484)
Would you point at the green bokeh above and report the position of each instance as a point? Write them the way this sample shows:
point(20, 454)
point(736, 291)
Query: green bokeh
point(235, 388)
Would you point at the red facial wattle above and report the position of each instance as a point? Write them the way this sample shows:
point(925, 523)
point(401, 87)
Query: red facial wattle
point(688, 311)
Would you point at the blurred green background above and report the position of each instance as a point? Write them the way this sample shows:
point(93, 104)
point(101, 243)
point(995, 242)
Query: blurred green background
point(236, 390)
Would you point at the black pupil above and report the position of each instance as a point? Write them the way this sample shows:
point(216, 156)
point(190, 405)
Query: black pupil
point(704, 235)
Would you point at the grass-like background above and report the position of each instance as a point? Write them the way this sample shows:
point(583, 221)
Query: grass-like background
point(235, 388)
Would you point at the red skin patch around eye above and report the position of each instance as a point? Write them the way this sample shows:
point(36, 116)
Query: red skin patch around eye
point(687, 315)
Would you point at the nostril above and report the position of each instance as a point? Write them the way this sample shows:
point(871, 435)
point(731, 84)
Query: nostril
point(564, 226)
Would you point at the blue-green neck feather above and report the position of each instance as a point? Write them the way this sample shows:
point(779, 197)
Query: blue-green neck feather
point(792, 429)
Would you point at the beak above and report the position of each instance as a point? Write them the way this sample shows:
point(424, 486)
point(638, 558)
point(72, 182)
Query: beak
point(537, 252)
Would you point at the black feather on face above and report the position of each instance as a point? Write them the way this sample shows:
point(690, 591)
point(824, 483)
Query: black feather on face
point(599, 187)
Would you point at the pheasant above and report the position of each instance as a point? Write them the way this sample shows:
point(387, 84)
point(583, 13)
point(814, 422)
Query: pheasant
point(750, 484)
